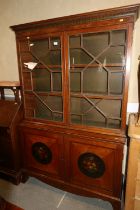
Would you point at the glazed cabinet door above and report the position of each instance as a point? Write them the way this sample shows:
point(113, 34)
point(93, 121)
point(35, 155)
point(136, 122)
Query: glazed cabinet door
point(94, 164)
point(41, 65)
point(76, 77)
point(97, 66)
point(42, 153)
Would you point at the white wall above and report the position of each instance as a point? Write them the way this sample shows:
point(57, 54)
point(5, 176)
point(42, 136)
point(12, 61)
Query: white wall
point(14, 12)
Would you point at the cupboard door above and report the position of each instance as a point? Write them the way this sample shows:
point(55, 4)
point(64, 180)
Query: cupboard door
point(41, 61)
point(97, 63)
point(94, 165)
point(43, 153)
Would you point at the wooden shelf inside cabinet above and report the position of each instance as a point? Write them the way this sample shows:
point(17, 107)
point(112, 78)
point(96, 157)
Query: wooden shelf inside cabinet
point(10, 116)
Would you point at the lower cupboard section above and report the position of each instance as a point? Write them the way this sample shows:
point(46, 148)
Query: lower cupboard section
point(93, 164)
point(43, 154)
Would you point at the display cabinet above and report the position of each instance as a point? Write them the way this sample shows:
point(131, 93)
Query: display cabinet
point(74, 74)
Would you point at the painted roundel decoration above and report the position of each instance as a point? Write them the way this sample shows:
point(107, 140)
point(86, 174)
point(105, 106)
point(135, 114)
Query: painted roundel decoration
point(91, 165)
point(41, 153)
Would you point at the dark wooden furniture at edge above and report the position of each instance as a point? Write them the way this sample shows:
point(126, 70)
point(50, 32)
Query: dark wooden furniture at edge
point(11, 113)
point(4, 205)
point(74, 73)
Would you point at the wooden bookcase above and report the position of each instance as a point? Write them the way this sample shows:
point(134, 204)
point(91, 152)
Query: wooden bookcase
point(74, 73)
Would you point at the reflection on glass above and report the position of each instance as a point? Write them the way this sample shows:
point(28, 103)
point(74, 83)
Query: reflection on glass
point(55, 43)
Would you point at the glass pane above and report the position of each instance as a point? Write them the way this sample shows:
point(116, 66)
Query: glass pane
point(57, 81)
point(53, 58)
point(79, 105)
point(96, 112)
point(111, 108)
point(41, 50)
point(116, 83)
point(55, 68)
point(41, 80)
point(95, 43)
point(113, 55)
point(114, 123)
point(95, 80)
point(75, 82)
point(44, 107)
point(79, 56)
point(76, 119)
point(94, 117)
point(57, 116)
point(75, 42)
point(54, 103)
point(44, 79)
point(97, 65)
point(83, 111)
point(41, 111)
point(118, 37)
